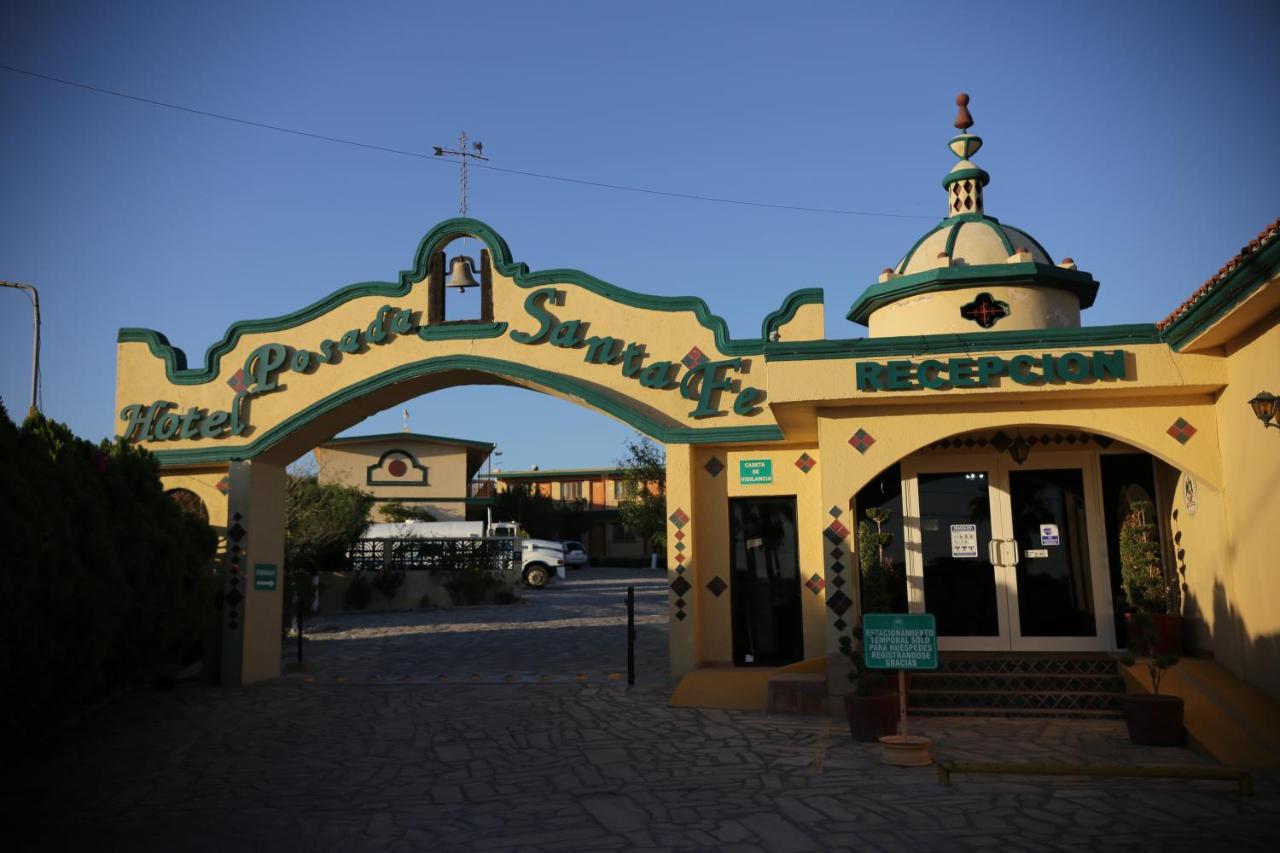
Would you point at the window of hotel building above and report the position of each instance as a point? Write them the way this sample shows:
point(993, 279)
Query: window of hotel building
point(571, 491)
point(619, 489)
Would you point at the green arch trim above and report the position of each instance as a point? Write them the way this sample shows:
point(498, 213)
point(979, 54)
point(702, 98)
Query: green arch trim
point(1030, 273)
point(787, 311)
point(413, 460)
point(493, 366)
point(179, 373)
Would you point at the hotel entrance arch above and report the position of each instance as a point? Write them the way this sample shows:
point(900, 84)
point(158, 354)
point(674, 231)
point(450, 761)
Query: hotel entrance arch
point(274, 388)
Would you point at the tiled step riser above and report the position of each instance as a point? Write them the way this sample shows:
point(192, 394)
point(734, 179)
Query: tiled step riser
point(1027, 666)
point(1046, 686)
point(1059, 714)
point(1032, 683)
point(1014, 701)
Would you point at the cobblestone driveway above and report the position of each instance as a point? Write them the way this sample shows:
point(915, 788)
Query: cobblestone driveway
point(574, 765)
point(574, 627)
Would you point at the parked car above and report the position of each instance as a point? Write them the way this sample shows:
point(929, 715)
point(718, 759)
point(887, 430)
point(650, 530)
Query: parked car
point(575, 555)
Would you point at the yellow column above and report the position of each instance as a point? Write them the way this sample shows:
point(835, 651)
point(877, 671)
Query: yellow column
point(253, 585)
point(682, 585)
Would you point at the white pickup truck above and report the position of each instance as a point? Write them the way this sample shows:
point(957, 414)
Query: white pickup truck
point(541, 559)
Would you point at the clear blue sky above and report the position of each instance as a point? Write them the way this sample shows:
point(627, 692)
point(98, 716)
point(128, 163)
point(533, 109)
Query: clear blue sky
point(1138, 138)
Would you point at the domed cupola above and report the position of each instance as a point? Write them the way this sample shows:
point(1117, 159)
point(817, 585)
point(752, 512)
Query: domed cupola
point(973, 273)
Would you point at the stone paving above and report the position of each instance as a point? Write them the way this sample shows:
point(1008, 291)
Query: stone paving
point(574, 765)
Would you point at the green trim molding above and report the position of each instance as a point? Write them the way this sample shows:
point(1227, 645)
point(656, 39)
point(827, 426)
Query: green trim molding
point(961, 174)
point(178, 372)
point(413, 460)
point(775, 320)
point(569, 386)
point(967, 342)
point(409, 436)
point(1031, 273)
point(1251, 274)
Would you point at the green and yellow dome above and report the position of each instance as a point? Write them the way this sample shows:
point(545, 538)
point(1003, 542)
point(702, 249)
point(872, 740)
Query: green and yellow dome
point(971, 272)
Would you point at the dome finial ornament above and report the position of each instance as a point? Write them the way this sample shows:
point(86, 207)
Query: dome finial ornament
point(964, 120)
point(965, 181)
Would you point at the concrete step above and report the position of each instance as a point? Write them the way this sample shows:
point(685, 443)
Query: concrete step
point(1024, 682)
point(1003, 700)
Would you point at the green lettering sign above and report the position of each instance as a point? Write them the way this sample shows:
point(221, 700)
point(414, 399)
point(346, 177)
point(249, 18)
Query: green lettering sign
point(900, 640)
point(987, 370)
point(755, 472)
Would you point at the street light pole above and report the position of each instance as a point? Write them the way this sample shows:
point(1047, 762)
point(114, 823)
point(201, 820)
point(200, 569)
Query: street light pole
point(35, 347)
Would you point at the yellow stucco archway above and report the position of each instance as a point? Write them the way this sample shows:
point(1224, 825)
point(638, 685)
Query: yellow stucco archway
point(271, 389)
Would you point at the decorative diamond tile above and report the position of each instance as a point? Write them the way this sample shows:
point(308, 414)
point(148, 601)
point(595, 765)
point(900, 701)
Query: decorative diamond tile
point(835, 512)
point(717, 586)
point(680, 615)
point(837, 567)
point(836, 532)
point(679, 558)
point(840, 625)
point(224, 485)
point(680, 546)
point(679, 570)
point(234, 597)
point(714, 466)
point(679, 518)
point(680, 586)
point(679, 535)
point(806, 462)
point(693, 358)
point(816, 584)
point(861, 441)
point(237, 382)
point(837, 581)
point(839, 602)
point(680, 602)
point(235, 532)
point(837, 553)
point(1181, 431)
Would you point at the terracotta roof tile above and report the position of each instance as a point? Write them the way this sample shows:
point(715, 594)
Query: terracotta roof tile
point(1255, 245)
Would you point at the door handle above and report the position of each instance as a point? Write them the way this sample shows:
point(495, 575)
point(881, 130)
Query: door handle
point(993, 552)
point(1013, 544)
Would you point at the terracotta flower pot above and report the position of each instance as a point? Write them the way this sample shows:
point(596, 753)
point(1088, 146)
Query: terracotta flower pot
point(1154, 720)
point(1168, 631)
point(872, 717)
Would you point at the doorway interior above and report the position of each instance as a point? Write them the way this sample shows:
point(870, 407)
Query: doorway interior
point(1009, 557)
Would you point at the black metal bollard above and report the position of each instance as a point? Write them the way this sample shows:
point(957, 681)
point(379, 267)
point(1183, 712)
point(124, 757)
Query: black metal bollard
point(297, 595)
point(631, 636)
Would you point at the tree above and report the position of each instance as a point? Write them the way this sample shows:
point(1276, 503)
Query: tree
point(397, 512)
point(322, 521)
point(643, 508)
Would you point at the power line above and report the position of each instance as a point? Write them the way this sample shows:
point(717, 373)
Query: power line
point(422, 155)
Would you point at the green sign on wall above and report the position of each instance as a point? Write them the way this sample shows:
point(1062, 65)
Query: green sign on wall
point(264, 576)
point(900, 640)
point(755, 471)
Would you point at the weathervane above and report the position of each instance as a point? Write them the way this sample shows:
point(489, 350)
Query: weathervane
point(475, 153)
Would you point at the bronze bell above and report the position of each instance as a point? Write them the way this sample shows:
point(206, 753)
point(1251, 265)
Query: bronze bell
point(460, 273)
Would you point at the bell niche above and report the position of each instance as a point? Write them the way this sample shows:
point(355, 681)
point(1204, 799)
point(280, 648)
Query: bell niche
point(452, 287)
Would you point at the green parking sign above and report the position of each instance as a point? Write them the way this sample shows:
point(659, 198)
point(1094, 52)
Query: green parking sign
point(900, 640)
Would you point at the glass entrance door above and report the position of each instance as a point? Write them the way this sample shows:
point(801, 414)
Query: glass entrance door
point(1008, 557)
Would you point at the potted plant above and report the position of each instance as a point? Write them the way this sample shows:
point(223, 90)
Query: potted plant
point(872, 710)
point(1152, 720)
point(1148, 588)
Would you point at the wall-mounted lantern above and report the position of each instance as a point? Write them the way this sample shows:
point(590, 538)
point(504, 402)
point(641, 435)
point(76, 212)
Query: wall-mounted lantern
point(1264, 408)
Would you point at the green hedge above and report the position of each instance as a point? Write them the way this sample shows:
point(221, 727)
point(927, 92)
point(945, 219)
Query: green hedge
point(103, 577)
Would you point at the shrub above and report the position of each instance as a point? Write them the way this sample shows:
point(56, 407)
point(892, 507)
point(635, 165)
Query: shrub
point(358, 593)
point(388, 581)
point(106, 578)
